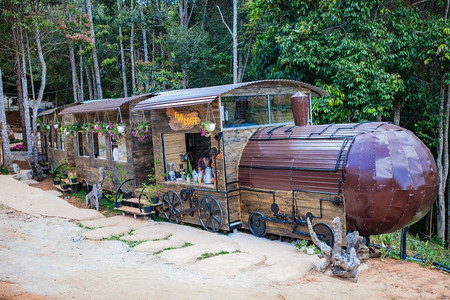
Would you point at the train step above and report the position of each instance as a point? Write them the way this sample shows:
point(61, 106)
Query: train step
point(136, 201)
point(235, 225)
point(134, 211)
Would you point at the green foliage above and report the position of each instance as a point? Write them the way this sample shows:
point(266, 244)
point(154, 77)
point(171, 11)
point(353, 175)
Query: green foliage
point(186, 244)
point(209, 254)
point(430, 251)
point(4, 171)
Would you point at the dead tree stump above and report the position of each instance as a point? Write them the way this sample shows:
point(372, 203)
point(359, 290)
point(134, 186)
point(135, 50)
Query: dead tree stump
point(94, 197)
point(344, 262)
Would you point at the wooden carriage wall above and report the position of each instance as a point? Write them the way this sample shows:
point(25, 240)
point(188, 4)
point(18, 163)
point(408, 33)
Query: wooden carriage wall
point(92, 151)
point(55, 148)
point(223, 105)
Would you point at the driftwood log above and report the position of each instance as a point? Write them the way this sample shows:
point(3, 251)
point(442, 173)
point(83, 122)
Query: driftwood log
point(94, 197)
point(343, 262)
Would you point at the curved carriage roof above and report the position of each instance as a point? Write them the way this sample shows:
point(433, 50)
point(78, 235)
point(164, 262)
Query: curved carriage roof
point(101, 105)
point(205, 95)
point(307, 158)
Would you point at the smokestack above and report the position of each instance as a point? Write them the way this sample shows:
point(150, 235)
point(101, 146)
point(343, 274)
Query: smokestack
point(300, 108)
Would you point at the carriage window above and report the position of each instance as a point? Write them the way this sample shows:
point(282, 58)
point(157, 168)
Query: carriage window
point(99, 145)
point(119, 150)
point(80, 143)
point(50, 139)
point(280, 108)
point(245, 111)
point(55, 139)
point(186, 153)
point(62, 141)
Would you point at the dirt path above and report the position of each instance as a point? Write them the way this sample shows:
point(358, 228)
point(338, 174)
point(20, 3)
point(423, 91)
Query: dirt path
point(53, 257)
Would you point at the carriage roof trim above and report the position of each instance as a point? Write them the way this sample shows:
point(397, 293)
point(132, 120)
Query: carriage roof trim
point(204, 95)
point(102, 105)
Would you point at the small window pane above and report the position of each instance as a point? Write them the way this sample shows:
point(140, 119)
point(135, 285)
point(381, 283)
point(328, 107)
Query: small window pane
point(62, 142)
point(80, 144)
point(280, 109)
point(245, 111)
point(99, 145)
point(119, 151)
point(55, 139)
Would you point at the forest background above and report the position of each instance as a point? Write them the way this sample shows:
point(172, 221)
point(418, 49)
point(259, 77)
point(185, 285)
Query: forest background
point(378, 59)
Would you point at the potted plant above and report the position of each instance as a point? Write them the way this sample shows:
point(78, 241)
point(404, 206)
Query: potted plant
point(73, 178)
point(140, 130)
point(65, 185)
point(207, 128)
point(57, 180)
point(118, 203)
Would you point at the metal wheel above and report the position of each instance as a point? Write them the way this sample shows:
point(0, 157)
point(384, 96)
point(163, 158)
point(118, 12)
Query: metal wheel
point(172, 204)
point(210, 214)
point(327, 234)
point(257, 225)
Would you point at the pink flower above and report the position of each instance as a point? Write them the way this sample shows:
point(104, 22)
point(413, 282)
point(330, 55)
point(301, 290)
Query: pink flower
point(203, 132)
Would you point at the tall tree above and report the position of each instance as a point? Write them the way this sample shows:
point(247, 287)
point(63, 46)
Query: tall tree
point(98, 83)
point(133, 69)
point(122, 54)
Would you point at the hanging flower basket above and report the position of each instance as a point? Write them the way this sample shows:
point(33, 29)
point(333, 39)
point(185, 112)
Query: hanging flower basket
point(140, 130)
point(207, 128)
point(121, 128)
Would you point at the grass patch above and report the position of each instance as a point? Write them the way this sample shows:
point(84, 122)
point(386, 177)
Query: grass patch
point(84, 227)
point(114, 238)
point(433, 251)
point(163, 239)
point(186, 244)
point(209, 254)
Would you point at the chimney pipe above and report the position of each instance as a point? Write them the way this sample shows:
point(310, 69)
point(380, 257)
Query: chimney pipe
point(300, 108)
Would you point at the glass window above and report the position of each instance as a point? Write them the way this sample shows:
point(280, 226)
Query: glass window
point(62, 141)
point(50, 139)
point(80, 144)
point(245, 111)
point(99, 145)
point(55, 139)
point(280, 109)
point(119, 150)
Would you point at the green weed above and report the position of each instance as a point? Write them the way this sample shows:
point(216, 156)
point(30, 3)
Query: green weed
point(209, 254)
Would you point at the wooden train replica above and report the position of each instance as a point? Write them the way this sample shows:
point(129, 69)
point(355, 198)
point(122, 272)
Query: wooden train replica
point(247, 156)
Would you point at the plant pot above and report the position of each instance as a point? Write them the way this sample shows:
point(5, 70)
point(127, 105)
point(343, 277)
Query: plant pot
point(147, 209)
point(56, 181)
point(121, 129)
point(118, 204)
point(155, 200)
point(211, 127)
point(74, 180)
point(65, 186)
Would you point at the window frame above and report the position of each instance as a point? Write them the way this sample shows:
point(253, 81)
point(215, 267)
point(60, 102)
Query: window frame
point(93, 146)
point(269, 118)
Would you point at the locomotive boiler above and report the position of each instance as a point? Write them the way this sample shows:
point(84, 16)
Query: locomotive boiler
point(377, 177)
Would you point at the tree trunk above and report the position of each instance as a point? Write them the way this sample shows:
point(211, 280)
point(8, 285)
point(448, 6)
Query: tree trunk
point(4, 128)
point(153, 46)
point(98, 84)
point(96, 96)
point(205, 7)
point(442, 159)
point(88, 79)
point(397, 108)
point(235, 46)
point(81, 79)
point(73, 66)
point(185, 78)
point(26, 104)
point(144, 40)
point(122, 57)
point(19, 88)
point(31, 70)
point(133, 71)
point(34, 158)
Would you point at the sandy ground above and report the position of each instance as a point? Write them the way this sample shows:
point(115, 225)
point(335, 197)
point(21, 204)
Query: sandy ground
point(72, 254)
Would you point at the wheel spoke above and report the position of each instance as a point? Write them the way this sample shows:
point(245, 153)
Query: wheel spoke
point(212, 223)
point(215, 218)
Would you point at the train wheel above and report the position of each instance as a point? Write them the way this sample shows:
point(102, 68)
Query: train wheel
point(326, 233)
point(172, 205)
point(257, 225)
point(210, 214)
